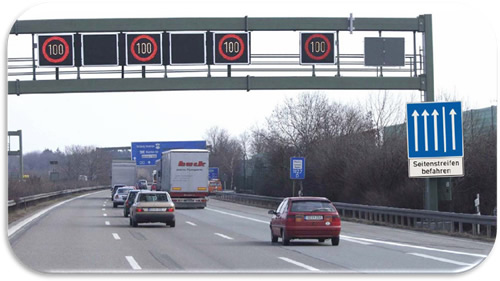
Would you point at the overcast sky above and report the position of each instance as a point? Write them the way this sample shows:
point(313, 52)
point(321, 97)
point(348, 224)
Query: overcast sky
point(465, 61)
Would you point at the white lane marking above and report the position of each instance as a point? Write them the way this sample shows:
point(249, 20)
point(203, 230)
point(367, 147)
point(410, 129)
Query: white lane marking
point(440, 259)
point(238, 216)
point(105, 215)
point(115, 235)
point(354, 241)
point(103, 209)
point(414, 247)
point(299, 264)
point(106, 222)
point(365, 239)
point(12, 230)
point(191, 223)
point(133, 263)
point(224, 236)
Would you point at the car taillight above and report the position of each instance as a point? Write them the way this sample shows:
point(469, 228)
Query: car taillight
point(290, 218)
point(139, 210)
point(116, 196)
point(336, 220)
point(170, 210)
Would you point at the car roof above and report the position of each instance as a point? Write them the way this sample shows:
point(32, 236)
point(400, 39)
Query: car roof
point(126, 187)
point(151, 192)
point(308, 198)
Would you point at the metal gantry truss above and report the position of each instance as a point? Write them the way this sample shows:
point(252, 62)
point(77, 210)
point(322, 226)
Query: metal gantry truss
point(422, 81)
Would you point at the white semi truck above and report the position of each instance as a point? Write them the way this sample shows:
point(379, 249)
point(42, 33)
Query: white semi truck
point(123, 172)
point(184, 174)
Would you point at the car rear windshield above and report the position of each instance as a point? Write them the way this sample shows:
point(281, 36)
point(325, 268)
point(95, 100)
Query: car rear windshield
point(123, 190)
point(161, 197)
point(312, 206)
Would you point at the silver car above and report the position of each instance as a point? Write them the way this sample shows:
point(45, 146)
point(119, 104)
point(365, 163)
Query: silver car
point(121, 195)
point(152, 206)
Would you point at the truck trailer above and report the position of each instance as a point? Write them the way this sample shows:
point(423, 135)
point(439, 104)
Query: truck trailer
point(184, 174)
point(123, 172)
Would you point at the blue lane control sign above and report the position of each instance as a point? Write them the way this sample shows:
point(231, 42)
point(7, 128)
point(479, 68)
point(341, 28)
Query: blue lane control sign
point(434, 129)
point(297, 168)
point(213, 173)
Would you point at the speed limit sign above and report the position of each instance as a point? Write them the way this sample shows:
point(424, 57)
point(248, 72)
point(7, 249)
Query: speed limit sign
point(231, 48)
point(317, 48)
point(55, 50)
point(144, 49)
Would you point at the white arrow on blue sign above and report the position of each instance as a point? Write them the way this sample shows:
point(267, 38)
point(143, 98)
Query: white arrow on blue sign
point(434, 129)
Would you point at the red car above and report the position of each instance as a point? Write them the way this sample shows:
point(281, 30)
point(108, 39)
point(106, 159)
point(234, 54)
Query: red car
point(305, 218)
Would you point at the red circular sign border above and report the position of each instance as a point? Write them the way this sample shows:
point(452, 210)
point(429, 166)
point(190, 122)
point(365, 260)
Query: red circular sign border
point(239, 40)
point(66, 49)
point(136, 56)
point(328, 45)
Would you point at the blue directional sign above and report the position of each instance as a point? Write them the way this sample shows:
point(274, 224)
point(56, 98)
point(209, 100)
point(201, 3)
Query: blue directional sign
point(213, 173)
point(146, 153)
point(297, 168)
point(434, 129)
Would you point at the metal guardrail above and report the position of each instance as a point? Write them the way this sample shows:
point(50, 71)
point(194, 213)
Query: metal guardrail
point(477, 225)
point(24, 201)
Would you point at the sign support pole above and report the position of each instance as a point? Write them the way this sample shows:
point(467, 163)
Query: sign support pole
point(431, 184)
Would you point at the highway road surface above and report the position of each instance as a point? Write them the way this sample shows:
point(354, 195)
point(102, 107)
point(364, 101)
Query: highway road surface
point(86, 234)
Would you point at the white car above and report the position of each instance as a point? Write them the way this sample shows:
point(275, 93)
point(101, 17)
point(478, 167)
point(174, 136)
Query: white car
point(121, 195)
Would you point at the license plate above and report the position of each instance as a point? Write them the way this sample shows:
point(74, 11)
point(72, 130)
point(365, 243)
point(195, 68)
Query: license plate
point(313, 218)
point(156, 209)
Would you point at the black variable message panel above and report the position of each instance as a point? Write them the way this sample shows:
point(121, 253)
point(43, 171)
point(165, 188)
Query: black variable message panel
point(100, 49)
point(383, 51)
point(187, 48)
point(317, 48)
point(56, 50)
point(231, 48)
point(144, 48)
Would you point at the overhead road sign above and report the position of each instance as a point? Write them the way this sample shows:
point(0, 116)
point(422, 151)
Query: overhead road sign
point(56, 50)
point(435, 139)
point(297, 168)
point(231, 47)
point(146, 153)
point(383, 51)
point(100, 49)
point(144, 48)
point(213, 173)
point(317, 48)
point(187, 48)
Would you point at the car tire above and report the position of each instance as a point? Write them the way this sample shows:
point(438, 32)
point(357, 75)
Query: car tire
point(274, 239)
point(335, 241)
point(321, 240)
point(114, 205)
point(125, 213)
point(284, 239)
point(133, 222)
point(130, 221)
point(171, 224)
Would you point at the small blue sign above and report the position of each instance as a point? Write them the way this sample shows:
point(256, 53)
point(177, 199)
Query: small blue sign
point(434, 129)
point(297, 168)
point(213, 173)
point(146, 153)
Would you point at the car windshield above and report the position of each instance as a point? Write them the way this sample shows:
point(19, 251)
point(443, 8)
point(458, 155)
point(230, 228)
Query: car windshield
point(131, 195)
point(312, 206)
point(160, 197)
point(123, 190)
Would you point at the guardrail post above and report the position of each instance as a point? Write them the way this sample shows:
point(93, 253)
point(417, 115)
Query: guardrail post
point(488, 231)
point(474, 229)
point(460, 227)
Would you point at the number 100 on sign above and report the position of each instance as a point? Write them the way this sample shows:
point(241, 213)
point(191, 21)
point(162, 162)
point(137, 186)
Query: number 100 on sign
point(144, 49)
point(317, 48)
point(231, 48)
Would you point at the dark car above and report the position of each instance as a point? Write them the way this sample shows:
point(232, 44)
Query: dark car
point(129, 201)
point(305, 218)
point(142, 184)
